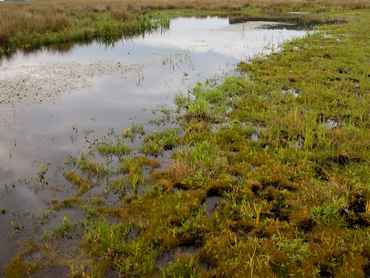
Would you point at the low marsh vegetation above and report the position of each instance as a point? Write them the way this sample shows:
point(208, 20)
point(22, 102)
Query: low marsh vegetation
point(267, 176)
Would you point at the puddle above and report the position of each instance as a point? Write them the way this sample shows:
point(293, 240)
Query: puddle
point(298, 13)
point(112, 273)
point(290, 92)
point(178, 187)
point(34, 257)
point(207, 266)
point(168, 257)
point(330, 124)
point(254, 137)
point(132, 234)
point(54, 102)
point(298, 144)
point(165, 258)
point(210, 204)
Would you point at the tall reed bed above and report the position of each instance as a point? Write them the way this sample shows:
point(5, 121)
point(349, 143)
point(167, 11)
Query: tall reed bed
point(31, 25)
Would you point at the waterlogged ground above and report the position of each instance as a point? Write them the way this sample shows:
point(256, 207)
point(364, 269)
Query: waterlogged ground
point(89, 107)
point(60, 100)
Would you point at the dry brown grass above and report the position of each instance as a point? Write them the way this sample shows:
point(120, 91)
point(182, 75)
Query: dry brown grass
point(211, 4)
point(42, 17)
point(56, 16)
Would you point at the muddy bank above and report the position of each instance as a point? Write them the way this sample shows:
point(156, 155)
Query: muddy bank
point(243, 27)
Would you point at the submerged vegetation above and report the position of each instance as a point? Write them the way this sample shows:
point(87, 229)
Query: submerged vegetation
point(264, 175)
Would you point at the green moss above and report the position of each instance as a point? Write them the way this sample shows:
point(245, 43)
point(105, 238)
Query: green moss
point(160, 141)
point(119, 149)
point(90, 166)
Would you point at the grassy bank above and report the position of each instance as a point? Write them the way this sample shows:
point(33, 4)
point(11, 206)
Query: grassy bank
point(268, 177)
point(30, 26)
point(33, 24)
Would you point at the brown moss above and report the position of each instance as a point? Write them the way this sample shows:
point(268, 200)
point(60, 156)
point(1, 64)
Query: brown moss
point(272, 194)
point(164, 185)
point(352, 267)
point(179, 170)
point(72, 202)
point(242, 228)
point(83, 184)
point(19, 268)
point(255, 187)
point(97, 201)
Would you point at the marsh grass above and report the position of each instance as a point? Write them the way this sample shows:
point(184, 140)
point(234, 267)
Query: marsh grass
point(89, 165)
point(83, 184)
point(292, 203)
point(119, 149)
point(160, 141)
point(178, 59)
point(203, 162)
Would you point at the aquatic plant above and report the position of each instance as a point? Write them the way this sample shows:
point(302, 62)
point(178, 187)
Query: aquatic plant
point(178, 59)
point(160, 141)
